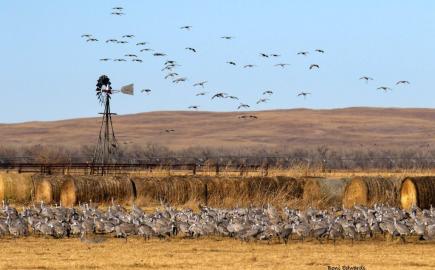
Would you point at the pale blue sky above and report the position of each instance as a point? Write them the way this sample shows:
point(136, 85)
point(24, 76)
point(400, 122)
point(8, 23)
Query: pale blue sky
point(48, 71)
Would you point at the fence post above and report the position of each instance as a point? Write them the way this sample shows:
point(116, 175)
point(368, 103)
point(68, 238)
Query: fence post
point(205, 194)
point(194, 169)
point(217, 168)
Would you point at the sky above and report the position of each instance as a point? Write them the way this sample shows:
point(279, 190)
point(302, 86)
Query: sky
point(48, 71)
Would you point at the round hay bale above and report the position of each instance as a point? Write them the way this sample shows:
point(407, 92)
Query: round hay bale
point(16, 187)
point(98, 189)
point(328, 192)
point(370, 190)
point(418, 191)
point(47, 188)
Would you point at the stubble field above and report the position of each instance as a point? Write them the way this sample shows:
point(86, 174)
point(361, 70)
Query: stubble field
point(44, 253)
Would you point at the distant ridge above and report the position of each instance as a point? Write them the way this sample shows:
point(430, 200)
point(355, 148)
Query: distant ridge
point(347, 127)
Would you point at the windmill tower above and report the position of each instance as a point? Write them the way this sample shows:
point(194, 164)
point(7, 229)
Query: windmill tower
point(107, 145)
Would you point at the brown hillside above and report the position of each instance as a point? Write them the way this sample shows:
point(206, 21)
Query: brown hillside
point(350, 127)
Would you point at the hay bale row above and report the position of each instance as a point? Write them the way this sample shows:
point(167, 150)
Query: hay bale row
point(16, 187)
point(368, 191)
point(47, 189)
point(418, 191)
point(324, 192)
point(96, 189)
point(216, 191)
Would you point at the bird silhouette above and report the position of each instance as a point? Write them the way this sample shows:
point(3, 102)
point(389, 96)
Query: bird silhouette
point(232, 97)
point(268, 92)
point(193, 107)
point(219, 95)
point(262, 100)
point(366, 78)
point(141, 43)
point(169, 130)
point(119, 60)
point(159, 54)
point(283, 65)
point(146, 50)
point(191, 49)
point(146, 91)
point(112, 40)
point(173, 74)
point(186, 27)
point(178, 80)
point(122, 42)
point(304, 94)
point(118, 13)
point(200, 84)
point(303, 53)
point(86, 35)
point(275, 55)
point(118, 8)
point(128, 36)
point(104, 59)
point(384, 88)
point(264, 55)
point(227, 37)
point(137, 60)
point(314, 66)
point(91, 40)
point(402, 82)
point(249, 66)
point(320, 51)
point(201, 94)
point(130, 55)
point(231, 63)
point(242, 105)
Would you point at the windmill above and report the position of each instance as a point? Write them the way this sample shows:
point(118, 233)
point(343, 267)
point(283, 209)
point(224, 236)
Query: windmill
point(106, 149)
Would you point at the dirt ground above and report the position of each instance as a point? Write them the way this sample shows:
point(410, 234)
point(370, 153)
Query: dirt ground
point(44, 253)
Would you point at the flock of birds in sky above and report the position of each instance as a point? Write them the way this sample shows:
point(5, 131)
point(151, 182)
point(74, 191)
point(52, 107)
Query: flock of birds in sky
point(93, 225)
point(169, 67)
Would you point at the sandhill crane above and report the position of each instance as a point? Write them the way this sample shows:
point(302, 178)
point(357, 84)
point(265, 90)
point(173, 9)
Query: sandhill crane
point(146, 50)
point(86, 36)
point(128, 36)
point(231, 63)
point(232, 97)
point(219, 95)
point(319, 51)
point(248, 66)
point(169, 130)
point(191, 49)
point(112, 40)
point(91, 40)
point(200, 84)
point(262, 100)
point(137, 60)
point(275, 55)
point(314, 66)
point(242, 105)
point(118, 13)
point(105, 59)
point(366, 78)
point(122, 42)
point(147, 91)
point(201, 94)
point(303, 53)
point(304, 94)
point(403, 230)
point(402, 82)
point(119, 60)
point(141, 43)
point(193, 107)
point(118, 8)
point(227, 37)
point(130, 55)
point(264, 55)
point(283, 65)
point(384, 88)
point(159, 54)
point(178, 80)
point(268, 92)
point(170, 75)
point(186, 27)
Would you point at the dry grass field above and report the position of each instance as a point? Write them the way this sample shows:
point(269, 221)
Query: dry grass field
point(42, 253)
point(350, 127)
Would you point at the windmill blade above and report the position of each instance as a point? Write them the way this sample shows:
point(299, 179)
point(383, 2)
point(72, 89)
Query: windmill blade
point(128, 89)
